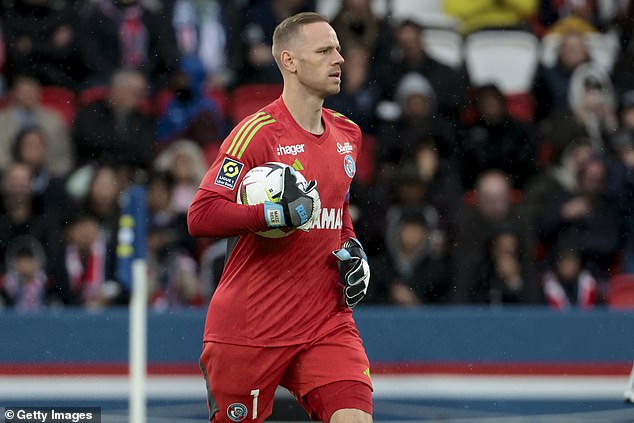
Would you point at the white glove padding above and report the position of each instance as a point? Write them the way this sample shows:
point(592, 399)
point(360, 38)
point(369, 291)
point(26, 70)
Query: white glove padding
point(316, 214)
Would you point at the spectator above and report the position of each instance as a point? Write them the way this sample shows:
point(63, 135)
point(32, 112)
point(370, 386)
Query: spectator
point(260, 20)
point(173, 280)
point(416, 268)
point(50, 199)
point(81, 266)
point(590, 112)
point(585, 219)
point(623, 72)
point(504, 275)
point(25, 111)
point(418, 103)
point(476, 225)
point(496, 141)
point(626, 111)
point(200, 33)
point(552, 83)
point(102, 201)
point(114, 130)
point(186, 165)
point(25, 286)
point(41, 38)
point(491, 14)
point(569, 16)
point(568, 283)
point(16, 210)
point(356, 24)
point(359, 95)
point(408, 55)
point(127, 34)
point(621, 187)
point(559, 178)
point(162, 215)
point(442, 181)
point(190, 113)
point(623, 20)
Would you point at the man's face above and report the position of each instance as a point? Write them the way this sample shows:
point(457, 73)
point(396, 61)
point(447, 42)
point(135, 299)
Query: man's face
point(27, 93)
point(573, 51)
point(318, 59)
point(17, 181)
point(493, 195)
point(409, 41)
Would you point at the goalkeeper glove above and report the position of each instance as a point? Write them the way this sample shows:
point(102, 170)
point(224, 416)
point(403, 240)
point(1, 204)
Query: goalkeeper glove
point(297, 204)
point(354, 271)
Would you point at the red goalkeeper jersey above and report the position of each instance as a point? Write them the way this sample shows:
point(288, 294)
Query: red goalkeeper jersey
point(283, 291)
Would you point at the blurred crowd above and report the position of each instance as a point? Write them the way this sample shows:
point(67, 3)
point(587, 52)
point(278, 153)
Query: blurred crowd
point(463, 195)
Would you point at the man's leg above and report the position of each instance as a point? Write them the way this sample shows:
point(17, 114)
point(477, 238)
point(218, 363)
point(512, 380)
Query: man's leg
point(341, 402)
point(241, 380)
point(331, 377)
point(349, 415)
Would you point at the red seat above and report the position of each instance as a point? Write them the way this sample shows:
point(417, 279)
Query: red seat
point(62, 100)
point(161, 100)
point(521, 106)
point(92, 94)
point(621, 292)
point(221, 98)
point(249, 98)
point(97, 93)
point(366, 161)
point(469, 197)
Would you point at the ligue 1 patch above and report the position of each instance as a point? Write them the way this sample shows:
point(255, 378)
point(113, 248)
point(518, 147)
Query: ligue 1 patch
point(237, 412)
point(229, 173)
point(349, 166)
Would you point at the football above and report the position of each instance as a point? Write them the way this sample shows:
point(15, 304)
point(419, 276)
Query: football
point(264, 183)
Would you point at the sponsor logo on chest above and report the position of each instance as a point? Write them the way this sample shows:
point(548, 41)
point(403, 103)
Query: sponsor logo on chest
point(345, 148)
point(290, 150)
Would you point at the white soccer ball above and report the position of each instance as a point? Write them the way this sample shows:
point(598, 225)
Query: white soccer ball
point(265, 183)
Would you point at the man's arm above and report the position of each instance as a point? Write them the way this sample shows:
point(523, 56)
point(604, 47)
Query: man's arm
point(213, 215)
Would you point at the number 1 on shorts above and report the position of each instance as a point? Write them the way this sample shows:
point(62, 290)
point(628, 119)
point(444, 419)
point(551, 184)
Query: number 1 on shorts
point(255, 393)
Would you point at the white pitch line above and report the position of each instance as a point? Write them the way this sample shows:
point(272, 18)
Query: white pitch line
point(385, 387)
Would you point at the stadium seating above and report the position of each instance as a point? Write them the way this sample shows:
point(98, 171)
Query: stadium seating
point(444, 45)
point(506, 58)
point(329, 8)
point(621, 292)
point(469, 197)
point(100, 92)
point(62, 100)
point(429, 13)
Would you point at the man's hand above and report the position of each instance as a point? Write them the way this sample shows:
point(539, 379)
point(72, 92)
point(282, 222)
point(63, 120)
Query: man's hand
point(354, 271)
point(299, 203)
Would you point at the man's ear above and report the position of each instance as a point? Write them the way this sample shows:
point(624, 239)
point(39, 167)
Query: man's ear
point(288, 61)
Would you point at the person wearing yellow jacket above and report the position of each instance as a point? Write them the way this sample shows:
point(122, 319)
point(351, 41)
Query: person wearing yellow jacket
point(486, 14)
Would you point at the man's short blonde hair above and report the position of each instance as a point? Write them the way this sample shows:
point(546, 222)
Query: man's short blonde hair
point(289, 29)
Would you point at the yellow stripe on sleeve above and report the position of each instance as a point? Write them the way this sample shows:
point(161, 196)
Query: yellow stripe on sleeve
point(242, 130)
point(253, 132)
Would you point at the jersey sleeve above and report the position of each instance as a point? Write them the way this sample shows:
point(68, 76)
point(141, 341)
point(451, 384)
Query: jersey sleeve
point(347, 229)
point(214, 211)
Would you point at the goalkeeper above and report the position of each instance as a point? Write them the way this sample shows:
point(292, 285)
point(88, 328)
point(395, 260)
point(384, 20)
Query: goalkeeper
point(282, 312)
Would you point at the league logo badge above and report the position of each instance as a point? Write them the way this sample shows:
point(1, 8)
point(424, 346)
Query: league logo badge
point(229, 173)
point(349, 166)
point(237, 412)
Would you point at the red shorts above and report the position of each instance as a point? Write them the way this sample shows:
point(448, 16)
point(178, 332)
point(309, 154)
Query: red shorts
point(241, 380)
